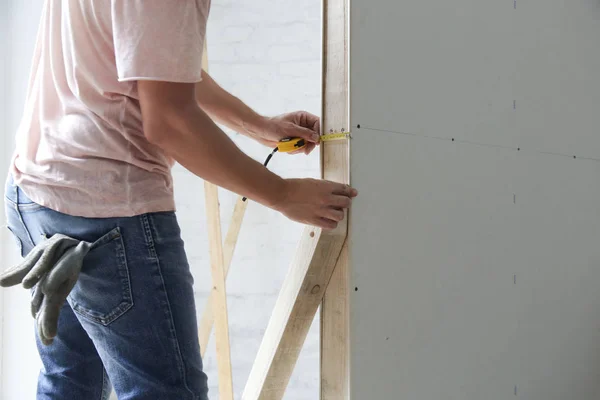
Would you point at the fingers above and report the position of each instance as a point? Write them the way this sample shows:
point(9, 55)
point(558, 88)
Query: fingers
point(62, 271)
point(334, 214)
point(304, 119)
point(309, 148)
point(50, 311)
point(37, 298)
point(47, 321)
point(309, 120)
point(328, 218)
point(326, 223)
point(66, 268)
point(316, 123)
point(338, 201)
point(36, 301)
point(47, 261)
point(304, 133)
point(344, 190)
point(14, 276)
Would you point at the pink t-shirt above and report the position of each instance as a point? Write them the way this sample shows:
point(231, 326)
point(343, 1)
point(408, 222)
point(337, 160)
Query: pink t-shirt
point(81, 148)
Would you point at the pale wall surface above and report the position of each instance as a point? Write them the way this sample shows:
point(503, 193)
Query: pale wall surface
point(475, 238)
point(268, 54)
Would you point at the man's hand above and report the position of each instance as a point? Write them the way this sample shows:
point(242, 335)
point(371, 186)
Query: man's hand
point(174, 122)
point(292, 125)
point(316, 202)
point(230, 111)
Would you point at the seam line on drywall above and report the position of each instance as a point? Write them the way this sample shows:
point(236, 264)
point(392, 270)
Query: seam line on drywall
point(481, 144)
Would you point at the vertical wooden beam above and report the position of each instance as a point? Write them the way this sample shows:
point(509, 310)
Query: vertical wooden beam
point(208, 316)
point(318, 251)
point(335, 307)
point(334, 334)
point(219, 293)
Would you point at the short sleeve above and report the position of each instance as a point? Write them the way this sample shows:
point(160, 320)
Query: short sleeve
point(159, 39)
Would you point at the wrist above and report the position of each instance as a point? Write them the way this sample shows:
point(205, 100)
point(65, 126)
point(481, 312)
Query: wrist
point(279, 194)
point(255, 124)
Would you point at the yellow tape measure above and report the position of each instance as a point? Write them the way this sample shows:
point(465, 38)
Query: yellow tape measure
point(335, 136)
point(292, 144)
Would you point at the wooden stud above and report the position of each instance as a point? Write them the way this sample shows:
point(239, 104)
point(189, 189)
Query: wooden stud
point(208, 316)
point(219, 293)
point(318, 251)
point(335, 307)
point(334, 333)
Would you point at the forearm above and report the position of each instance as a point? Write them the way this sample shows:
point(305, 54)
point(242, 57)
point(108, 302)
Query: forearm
point(225, 108)
point(200, 146)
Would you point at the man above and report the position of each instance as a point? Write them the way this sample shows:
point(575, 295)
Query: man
point(117, 96)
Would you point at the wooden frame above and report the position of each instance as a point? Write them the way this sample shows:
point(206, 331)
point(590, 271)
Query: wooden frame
point(208, 316)
point(335, 374)
point(220, 256)
point(219, 304)
point(318, 274)
point(318, 252)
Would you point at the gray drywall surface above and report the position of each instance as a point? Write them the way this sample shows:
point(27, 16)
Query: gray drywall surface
point(475, 243)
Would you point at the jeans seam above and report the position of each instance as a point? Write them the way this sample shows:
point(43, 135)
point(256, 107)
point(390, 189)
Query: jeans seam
point(104, 394)
point(18, 211)
point(152, 249)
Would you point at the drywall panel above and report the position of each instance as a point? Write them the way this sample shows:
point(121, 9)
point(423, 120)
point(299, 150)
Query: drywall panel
point(475, 263)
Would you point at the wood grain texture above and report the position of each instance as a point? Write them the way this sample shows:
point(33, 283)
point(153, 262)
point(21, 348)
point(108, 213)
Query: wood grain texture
point(295, 309)
point(219, 292)
point(318, 251)
point(335, 305)
point(334, 333)
point(208, 316)
point(218, 296)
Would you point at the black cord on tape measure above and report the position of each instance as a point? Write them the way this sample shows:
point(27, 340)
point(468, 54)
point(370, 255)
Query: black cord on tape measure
point(265, 164)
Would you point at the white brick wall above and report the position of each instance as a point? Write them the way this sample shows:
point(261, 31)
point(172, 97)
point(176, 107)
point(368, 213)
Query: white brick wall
point(268, 54)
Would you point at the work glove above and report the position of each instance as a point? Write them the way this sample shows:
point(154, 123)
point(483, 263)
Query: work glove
point(53, 267)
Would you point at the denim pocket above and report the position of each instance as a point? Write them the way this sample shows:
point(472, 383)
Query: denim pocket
point(103, 291)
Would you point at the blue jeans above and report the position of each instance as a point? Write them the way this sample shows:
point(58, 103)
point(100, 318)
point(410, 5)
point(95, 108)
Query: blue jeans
point(130, 320)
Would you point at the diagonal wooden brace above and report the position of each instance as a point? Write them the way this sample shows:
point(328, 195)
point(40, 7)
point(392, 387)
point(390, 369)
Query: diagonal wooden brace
point(295, 310)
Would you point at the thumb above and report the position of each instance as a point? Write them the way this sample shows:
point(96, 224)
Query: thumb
point(305, 133)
